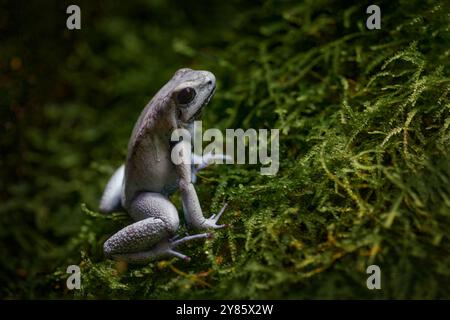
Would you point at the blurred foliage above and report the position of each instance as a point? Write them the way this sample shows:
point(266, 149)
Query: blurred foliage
point(365, 120)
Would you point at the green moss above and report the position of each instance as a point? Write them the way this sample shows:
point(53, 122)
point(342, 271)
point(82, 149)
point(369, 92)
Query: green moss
point(364, 174)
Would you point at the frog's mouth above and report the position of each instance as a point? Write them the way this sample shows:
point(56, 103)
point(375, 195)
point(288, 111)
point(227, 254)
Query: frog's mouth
point(198, 114)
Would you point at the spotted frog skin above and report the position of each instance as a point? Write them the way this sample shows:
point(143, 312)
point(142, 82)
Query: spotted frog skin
point(143, 184)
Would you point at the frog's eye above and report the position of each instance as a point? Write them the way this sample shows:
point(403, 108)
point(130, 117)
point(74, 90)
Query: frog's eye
point(185, 95)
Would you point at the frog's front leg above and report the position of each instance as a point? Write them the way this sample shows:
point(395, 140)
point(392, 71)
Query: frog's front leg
point(150, 237)
point(191, 205)
point(201, 162)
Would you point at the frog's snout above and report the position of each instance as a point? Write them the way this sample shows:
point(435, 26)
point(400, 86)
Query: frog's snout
point(210, 79)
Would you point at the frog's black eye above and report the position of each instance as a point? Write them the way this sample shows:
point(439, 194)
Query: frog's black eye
point(185, 95)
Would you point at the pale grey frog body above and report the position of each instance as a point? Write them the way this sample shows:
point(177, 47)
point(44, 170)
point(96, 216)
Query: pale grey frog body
point(143, 184)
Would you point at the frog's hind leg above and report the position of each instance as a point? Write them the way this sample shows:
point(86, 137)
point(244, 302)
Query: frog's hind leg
point(161, 250)
point(148, 238)
point(111, 198)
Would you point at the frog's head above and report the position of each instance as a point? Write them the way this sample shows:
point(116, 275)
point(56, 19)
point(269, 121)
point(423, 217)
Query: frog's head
point(192, 91)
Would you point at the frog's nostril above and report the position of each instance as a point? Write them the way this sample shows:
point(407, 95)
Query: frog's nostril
point(209, 79)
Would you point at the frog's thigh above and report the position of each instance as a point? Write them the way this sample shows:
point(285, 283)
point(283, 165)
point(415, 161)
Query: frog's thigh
point(158, 221)
point(156, 205)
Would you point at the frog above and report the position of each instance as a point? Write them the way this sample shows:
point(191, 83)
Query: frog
point(143, 185)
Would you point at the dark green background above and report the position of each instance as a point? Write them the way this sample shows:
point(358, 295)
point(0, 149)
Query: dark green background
point(364, 117)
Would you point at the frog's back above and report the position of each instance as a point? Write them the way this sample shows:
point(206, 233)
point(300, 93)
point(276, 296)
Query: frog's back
point(148, 167)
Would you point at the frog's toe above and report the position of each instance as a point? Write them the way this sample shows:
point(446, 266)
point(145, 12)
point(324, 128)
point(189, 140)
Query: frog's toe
point(178, 255)
point(216, 217)
point(220, 226)
point(176, 242)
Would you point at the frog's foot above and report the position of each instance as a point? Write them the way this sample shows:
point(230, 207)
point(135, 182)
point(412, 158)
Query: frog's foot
point(212, 221)
point(175, 242)
point(110, 201)
point(163, 249)
point(201, 163)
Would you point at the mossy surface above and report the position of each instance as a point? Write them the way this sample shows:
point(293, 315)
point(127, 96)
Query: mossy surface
point(364, 118)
